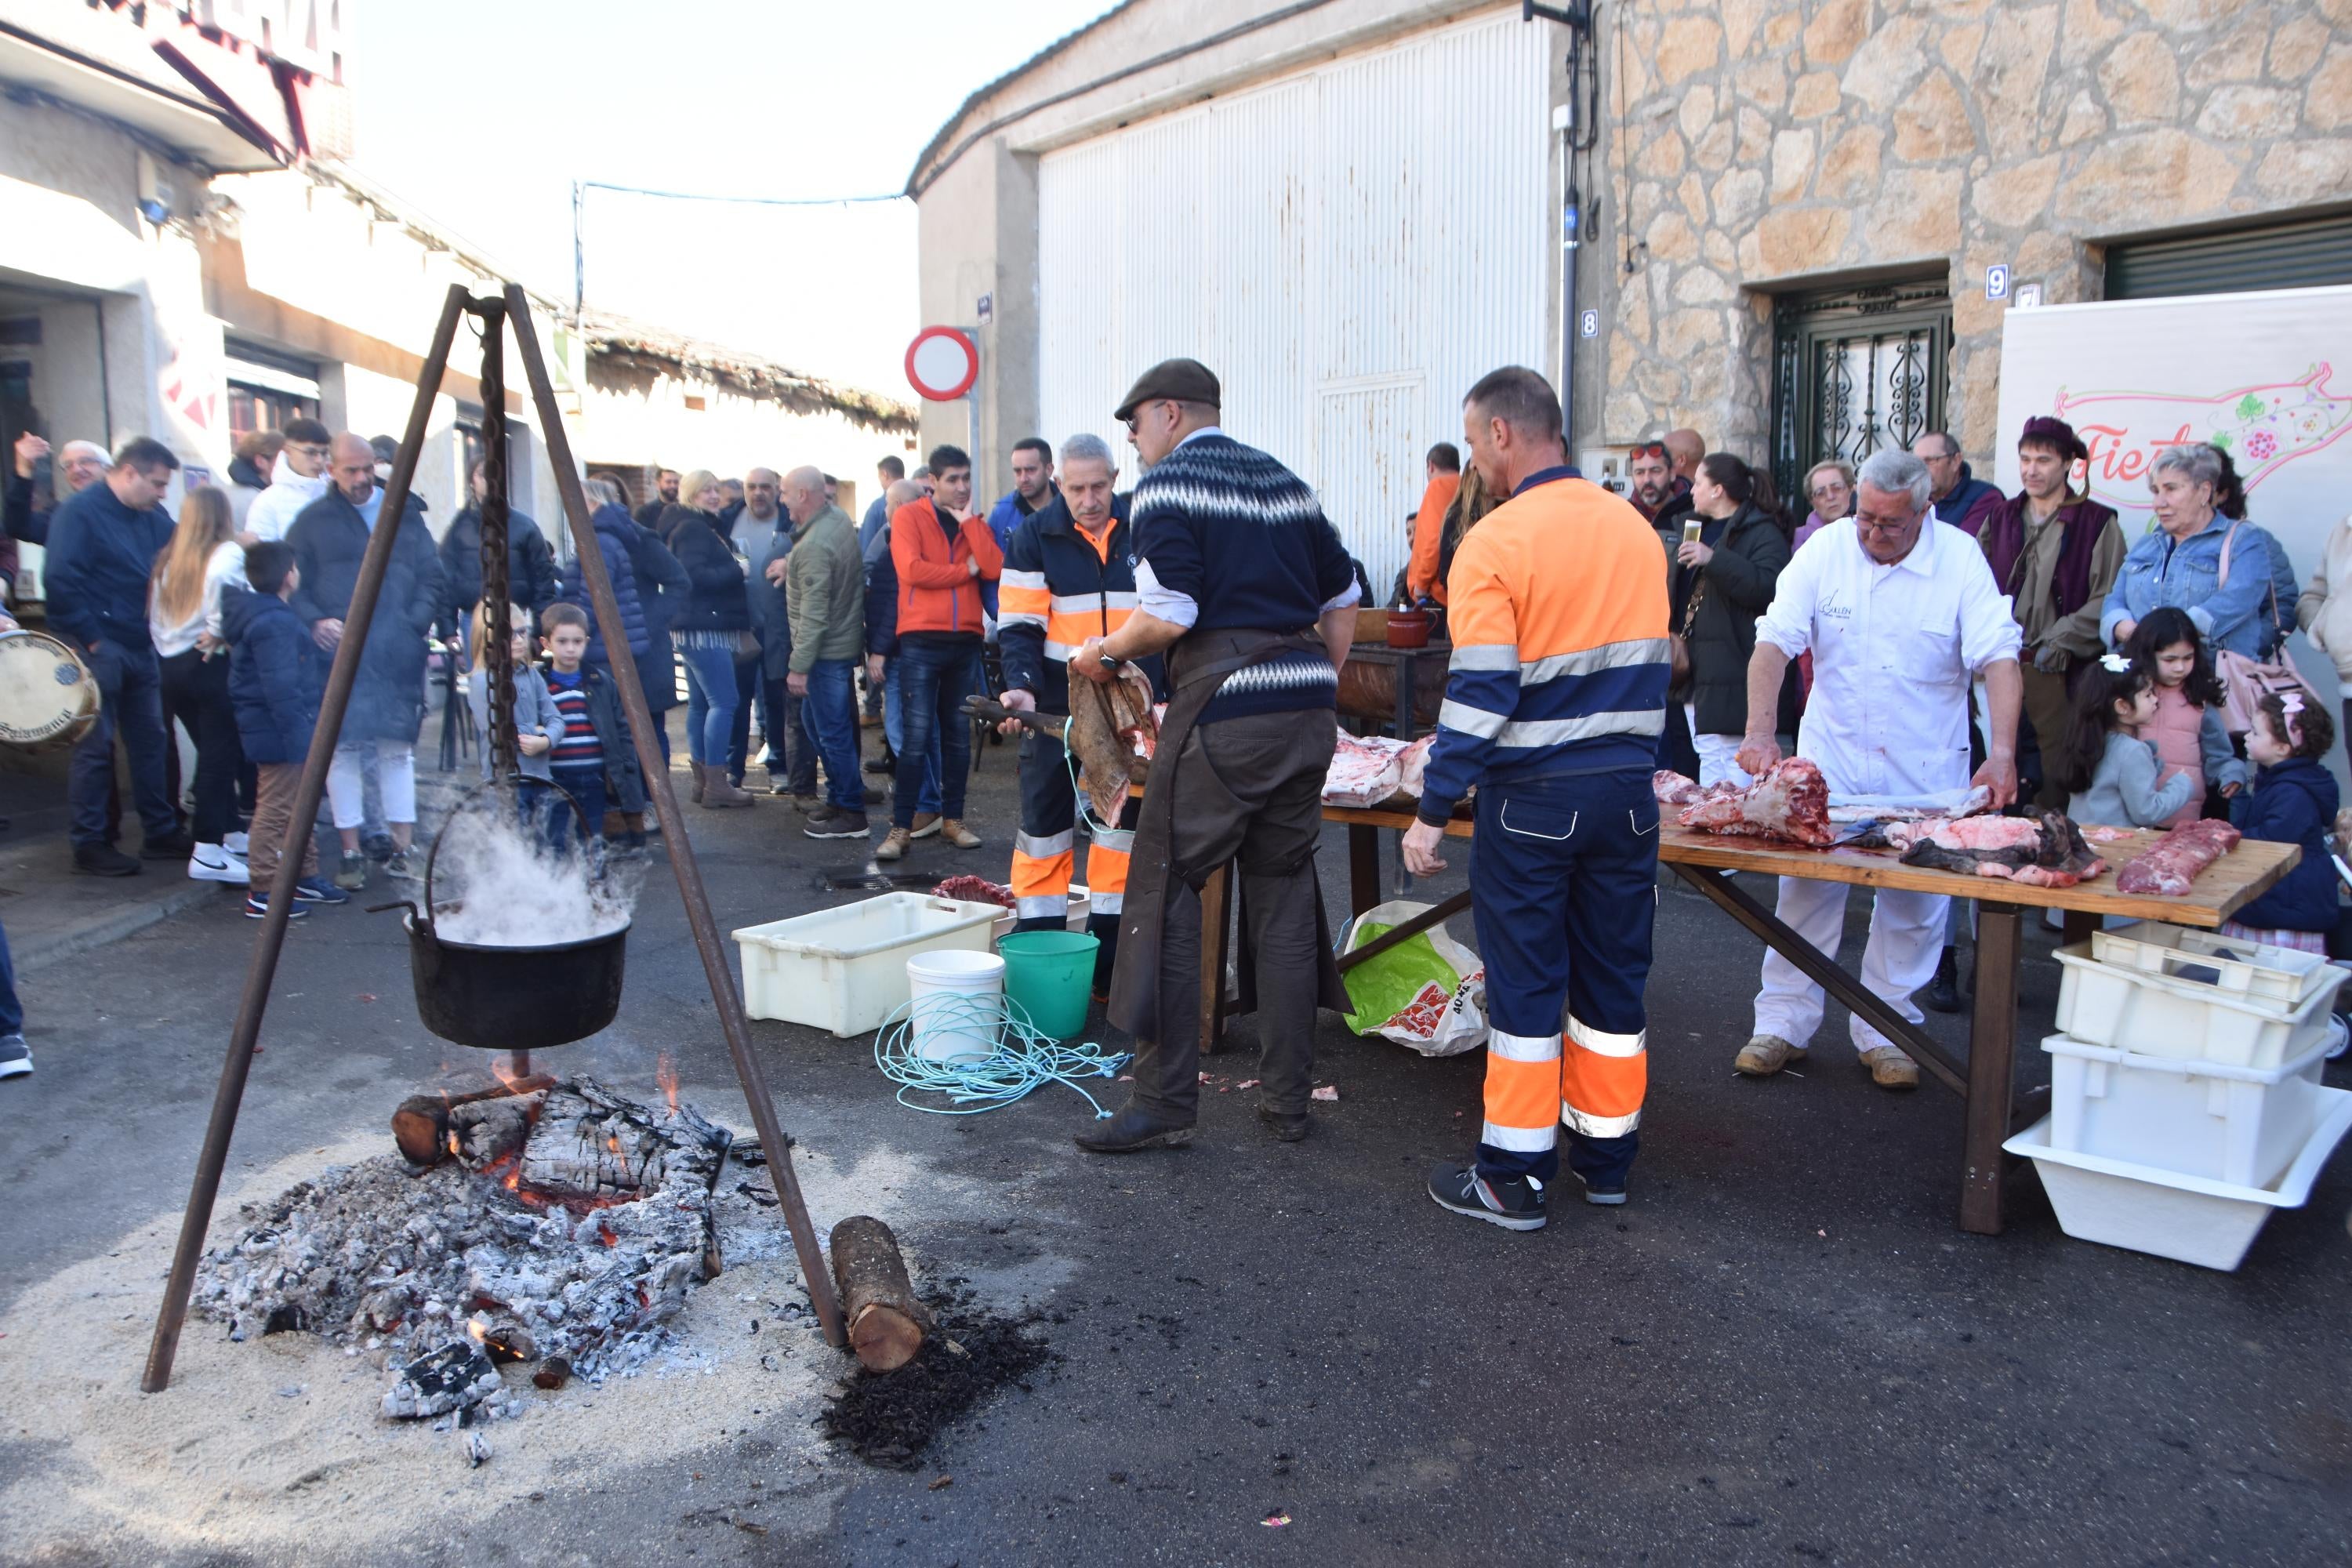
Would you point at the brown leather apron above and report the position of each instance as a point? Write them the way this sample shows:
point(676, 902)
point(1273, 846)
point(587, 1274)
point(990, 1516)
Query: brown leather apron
point(1197, 665)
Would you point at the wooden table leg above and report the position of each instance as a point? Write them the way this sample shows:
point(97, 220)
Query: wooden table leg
point(1364, 867)
point(2080, 924)
point(1992, 1063)
point(1215, 947)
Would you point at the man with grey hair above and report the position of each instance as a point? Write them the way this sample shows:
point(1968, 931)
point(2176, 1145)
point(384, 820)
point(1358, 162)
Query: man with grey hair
point(1901, 614)
point(1067, 577)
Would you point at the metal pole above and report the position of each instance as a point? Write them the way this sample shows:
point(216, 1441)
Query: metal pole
point(498, 632)
point(579, 253)
point(691, 893)
point(263, 969)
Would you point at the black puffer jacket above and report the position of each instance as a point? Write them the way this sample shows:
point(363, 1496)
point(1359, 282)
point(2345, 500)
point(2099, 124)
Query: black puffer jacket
point(530, 564)
point(716, 601)
point(1735, 586)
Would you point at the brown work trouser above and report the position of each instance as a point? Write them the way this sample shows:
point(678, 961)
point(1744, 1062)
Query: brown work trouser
point(1248, 790)
point(2048, 711)
point(273, 823)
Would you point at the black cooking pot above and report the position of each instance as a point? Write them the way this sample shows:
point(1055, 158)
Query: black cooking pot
point(510, 998)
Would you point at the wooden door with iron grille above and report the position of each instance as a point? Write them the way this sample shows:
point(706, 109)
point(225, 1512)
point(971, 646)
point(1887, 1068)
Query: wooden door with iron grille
point(1854, 372)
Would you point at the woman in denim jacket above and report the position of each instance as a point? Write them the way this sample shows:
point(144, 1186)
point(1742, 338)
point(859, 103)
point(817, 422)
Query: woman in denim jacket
point(2179, 562)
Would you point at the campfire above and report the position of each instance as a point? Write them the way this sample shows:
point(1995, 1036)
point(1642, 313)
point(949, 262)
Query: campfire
point(550, 1226)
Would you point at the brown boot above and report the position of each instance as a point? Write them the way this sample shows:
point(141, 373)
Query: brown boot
point(718, 792)
point(694, 772)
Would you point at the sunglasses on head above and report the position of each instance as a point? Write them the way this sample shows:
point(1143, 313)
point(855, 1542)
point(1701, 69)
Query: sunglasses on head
point(1651, 449)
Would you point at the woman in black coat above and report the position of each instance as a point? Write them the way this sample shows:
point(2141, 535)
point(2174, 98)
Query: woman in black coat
point(1721, 582)
point(712, 628)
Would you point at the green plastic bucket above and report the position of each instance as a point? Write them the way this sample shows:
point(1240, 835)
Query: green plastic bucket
point(1052, 975)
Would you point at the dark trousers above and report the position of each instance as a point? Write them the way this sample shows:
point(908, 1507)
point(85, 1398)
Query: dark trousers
point(12, 1011)
point(939, 674)
point(587, 786)
point(828, 719)
point(1563, 889)
point(749, 689)
point(130, 700)
point(195, 692)
point(792, 744)
point(1249, 790)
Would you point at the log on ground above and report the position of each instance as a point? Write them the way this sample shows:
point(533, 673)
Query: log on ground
point(885, 1323)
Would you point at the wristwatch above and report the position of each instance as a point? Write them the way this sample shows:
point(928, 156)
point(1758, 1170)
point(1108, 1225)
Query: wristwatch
point(1108, 663)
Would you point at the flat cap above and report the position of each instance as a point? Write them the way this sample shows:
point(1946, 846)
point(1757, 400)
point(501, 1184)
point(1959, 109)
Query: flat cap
point(1185, 379)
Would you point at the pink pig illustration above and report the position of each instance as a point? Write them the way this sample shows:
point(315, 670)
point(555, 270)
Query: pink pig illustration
point(2262, 428)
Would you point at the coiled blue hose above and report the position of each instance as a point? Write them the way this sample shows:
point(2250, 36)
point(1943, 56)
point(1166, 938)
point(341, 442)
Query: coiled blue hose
point(1024, 1059)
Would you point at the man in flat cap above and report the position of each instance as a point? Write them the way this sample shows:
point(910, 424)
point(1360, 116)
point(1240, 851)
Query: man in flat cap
point(1244, 584)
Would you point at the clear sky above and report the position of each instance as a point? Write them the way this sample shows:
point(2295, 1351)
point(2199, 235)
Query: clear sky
point(759, 98)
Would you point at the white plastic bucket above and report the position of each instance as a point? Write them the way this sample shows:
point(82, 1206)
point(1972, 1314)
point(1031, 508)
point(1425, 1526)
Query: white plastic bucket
point(956, 1015)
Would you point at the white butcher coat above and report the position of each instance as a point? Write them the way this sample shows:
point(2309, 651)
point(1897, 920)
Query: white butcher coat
point(1895, 650)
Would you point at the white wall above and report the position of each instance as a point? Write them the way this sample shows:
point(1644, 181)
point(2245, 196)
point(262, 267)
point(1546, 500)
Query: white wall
point(1349, 248)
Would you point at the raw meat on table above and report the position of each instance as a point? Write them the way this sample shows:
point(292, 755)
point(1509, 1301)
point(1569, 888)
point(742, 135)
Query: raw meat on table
point(1790, 802)
point(2176, 860)
point(1674, 789)
point(1364, 773)
point(2047, 851)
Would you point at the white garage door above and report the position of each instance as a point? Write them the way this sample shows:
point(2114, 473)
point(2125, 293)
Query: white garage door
point(1347, 248)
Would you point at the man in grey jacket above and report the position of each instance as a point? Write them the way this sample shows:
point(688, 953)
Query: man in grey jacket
point(824, 586)
point(763, 535)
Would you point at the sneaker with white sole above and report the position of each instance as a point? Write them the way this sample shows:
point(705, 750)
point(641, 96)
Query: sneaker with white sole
point(1515, 1203)
point(319, 890)
point(1766, 1055)
point(16, 1057)
point(211, 863)
point(236, 844)
point(257, 907)
point(926, 824)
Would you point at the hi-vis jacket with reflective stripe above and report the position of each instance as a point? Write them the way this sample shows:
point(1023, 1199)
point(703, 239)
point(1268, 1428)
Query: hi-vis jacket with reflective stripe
point(1557, 605)
point(1057, 590)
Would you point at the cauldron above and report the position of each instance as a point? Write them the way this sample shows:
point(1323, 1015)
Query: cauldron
point(516, 999)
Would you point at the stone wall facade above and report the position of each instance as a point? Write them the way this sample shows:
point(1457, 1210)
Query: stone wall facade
point(1777, 146)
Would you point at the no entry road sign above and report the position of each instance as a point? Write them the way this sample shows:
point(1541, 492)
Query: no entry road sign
point(942, 364)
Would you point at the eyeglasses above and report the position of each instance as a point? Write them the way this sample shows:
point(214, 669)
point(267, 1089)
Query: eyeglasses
point(1869, 524)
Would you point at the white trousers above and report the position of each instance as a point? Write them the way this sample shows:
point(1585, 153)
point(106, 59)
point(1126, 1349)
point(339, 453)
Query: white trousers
point(1715, 754)
point(395, 773)
point(1907, 937)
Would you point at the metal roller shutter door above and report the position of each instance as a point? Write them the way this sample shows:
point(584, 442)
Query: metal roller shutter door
point(1349, 248)
point(2310, 253)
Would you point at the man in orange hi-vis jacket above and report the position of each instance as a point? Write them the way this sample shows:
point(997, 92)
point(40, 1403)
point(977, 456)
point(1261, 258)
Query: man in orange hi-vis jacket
point(1423, 577)
point(1553, 706)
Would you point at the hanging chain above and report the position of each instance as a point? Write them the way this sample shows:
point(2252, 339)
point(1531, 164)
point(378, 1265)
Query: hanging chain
point(497, 637)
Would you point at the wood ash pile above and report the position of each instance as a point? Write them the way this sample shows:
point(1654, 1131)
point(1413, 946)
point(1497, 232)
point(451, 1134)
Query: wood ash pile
point(556, 1230)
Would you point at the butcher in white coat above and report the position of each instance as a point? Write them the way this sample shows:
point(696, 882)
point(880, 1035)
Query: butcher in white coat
point(1902, 616)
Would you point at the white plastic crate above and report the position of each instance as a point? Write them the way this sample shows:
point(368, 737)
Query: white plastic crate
point(2234, 1124)
point(2170, 1015)
point(2278, 975)
point(845, 969)
point(1081, 906)
point(2187, 1218)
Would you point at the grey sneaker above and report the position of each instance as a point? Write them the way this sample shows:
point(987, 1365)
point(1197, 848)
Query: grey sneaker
point(1515, 1203)
point(406, 865)
point(15, 1058)
point(352, 875)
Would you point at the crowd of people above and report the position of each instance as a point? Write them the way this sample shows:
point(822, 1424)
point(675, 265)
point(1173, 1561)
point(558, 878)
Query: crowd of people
point(1916, 631)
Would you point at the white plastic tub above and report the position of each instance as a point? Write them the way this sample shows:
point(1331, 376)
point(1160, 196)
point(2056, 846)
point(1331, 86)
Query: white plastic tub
point(2278, 975)
point(845, 969)
point(2187, 1218)
point(2168, 1015)
point(2234, 1124)
point(1080, 907)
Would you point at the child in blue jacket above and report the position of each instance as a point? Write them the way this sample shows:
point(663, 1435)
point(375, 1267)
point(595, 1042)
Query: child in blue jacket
point(2293, 800)
point(276, 678)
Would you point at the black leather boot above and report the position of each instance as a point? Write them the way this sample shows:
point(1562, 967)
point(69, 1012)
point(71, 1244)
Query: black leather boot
point(1131, 1131)
point(1943, 994)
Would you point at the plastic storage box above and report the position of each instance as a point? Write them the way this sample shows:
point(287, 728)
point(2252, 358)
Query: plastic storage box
point(845, 969)
point(2278, 975)
point(2189, 1218)
point(2179, 1014)
point(2234, 1124)
point(1081, 906)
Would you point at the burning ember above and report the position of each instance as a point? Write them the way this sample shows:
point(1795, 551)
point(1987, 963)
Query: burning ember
point(565, 1225)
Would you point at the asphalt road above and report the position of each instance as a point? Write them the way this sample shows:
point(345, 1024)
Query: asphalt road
point(1781, 1351)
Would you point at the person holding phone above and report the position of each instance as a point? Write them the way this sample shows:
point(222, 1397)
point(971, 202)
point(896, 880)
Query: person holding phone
point(1724, 573)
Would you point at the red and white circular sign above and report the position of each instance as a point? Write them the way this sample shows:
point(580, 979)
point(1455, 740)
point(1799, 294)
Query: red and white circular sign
point(942, 364)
